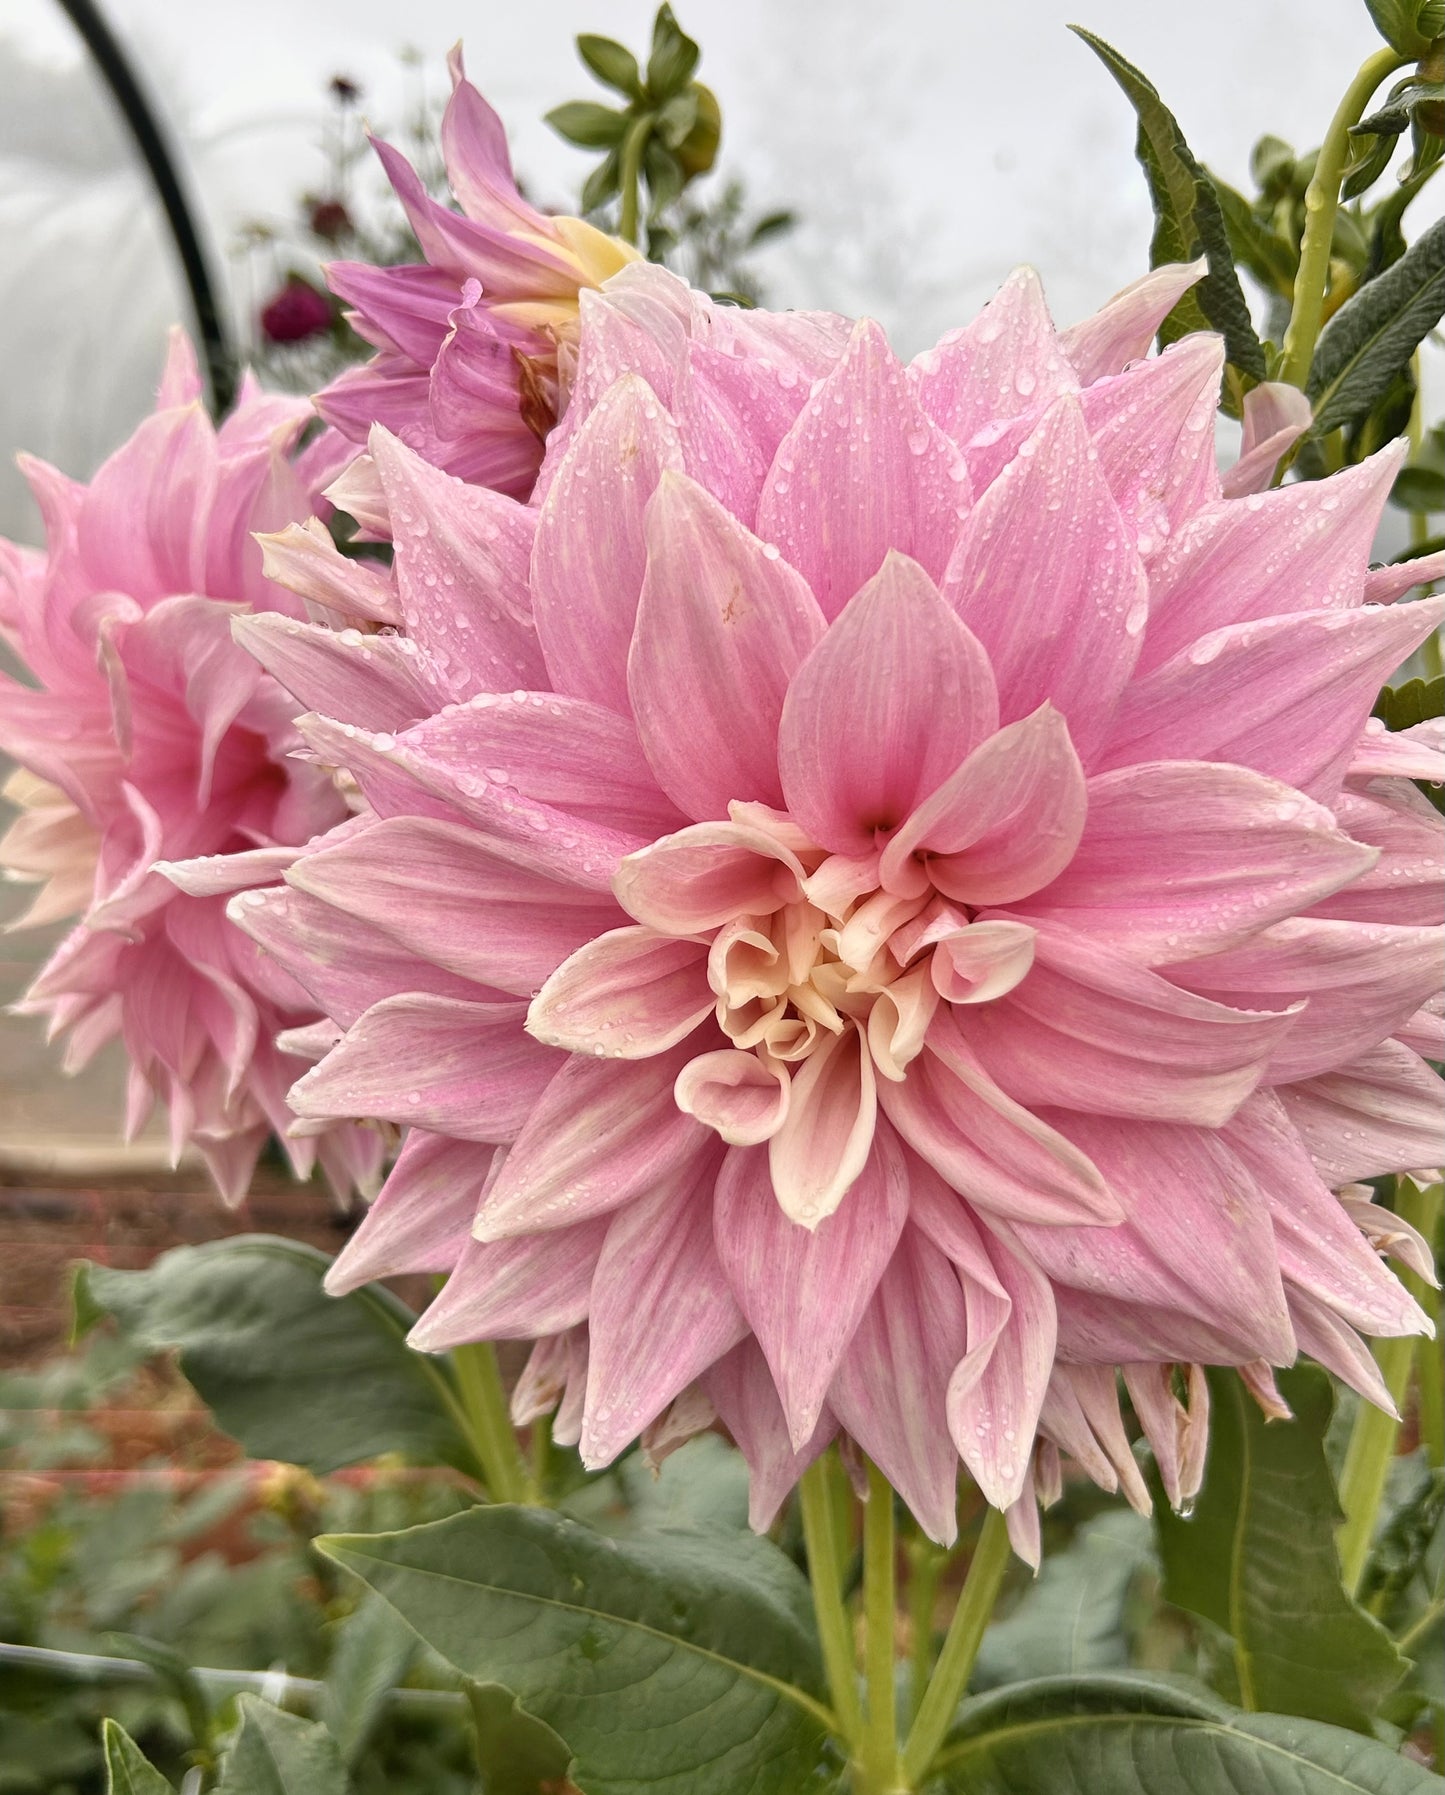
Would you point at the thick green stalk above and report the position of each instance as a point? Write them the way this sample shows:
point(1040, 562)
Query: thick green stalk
point(1373, 1436)
point(1322, 202)
point(489, 1424)
point(835, 1630)
point(879, 1752)
point(960, 1648)
point(925, 1567)
point(630, 175)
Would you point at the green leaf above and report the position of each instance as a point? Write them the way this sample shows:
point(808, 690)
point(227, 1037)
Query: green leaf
point(274, 1753)
point(673, 59)
point(288, 1371)
point(611, 63)
point(372, 1653)
point(1419, 489)
point(1371, 338)
point(1188, 221)
point(1072, 1619)
point(1258, 1559)
point(517, 1753)
point(590, 126)
point(1371, 160)
point(127, 1770)
point(1138, 1735)
point(683, 1664)
point(771, 224)
point(176, 1676)
point(1408, 25)
point(1268, 258)
point(603, 183)
point(1417, 701)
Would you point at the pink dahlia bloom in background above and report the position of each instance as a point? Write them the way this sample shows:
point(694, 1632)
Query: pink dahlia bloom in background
point(148, 734)
point(903, 913)
point(474, 344)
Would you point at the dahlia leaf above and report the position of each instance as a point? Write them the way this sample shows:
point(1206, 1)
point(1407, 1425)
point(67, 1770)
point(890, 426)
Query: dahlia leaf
point(516, 1753)
point(289, 1372)
point(1268, 257)
point(1417, 701)
point(611, 63)
point(1258, 1559)
point(127, 1770)
point(683, 1664)
point(1072, 1619)
point(1139, 1735)
point(1371, 338)
point(1188, 222)
point(275, 1753)
point(373, 1650)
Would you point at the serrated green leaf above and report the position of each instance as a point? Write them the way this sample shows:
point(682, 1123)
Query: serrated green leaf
point(1371, 338)
point(274, 1753)
point(673, 59)
point(1188, 221)
point(516, 1753)
point(683, 1664)
point(612, 63)
point(1417, 701)
point(1137, 1735)
point(1072, 1619)
point(588, 125)
point(1258, 1559)
point(1268, 258)
point(372, 1653)
point(127, 1769)
point(288, 1371)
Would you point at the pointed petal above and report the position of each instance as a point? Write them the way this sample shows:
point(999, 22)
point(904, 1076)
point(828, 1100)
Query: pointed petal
point(514, 1289)
point(1403, 886)
point(422, 1220)
point(1287, 696)
point(1383, 585)
point(1180, 858)
point(1276, 416)
point(1123, 328)
point(591, 550)
point(661, 1313)
point(603, 1133)
point(304, 559)
point(1046, 574)
point(628, 994)
point(1004, 824)
point(370, 680)
point(835, 512)
point(721, 628)
point(741, 1387)
point(1381, 1113)
point(804, 1292)
point(889, 1393)
point(883, 710)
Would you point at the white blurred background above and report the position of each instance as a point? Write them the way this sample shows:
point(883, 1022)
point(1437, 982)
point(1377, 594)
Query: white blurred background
point(927, 146)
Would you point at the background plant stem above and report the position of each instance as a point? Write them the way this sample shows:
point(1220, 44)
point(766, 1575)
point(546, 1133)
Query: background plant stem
point(880, 1736)
point(1322, 201)
point(960, 1648)
point(489, 1423)
point(834, 1628)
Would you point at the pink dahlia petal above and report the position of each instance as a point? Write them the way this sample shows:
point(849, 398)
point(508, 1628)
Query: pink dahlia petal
point(1287, 696)
point(1007, 361)
point(422, 1220)
point(628, 994)
point(742, 1388)
point(426, 884)
point(661, 1313)
point(803, 1292)
point(1379, 1113)
point(990, 1149)
point(1383, 585)
point(591, 550)
point(370, 680)
point(1243, 851)
point(1123, 328)
point(1414, 753)
point(1004, 824)
point(473, 1073)
point(834, 513)
point(305, 560)
point(403, 308)
point(858, 753)
point(1047, 576)
point(1303, 547)
point(824, 1140)
point(721, 628)
point(742, 1097)
point(889, 1390)
point(1339, 1349)
point(603, 1133)
point(514, 1289)
point(1404, 884)
point(1276, 416)
point(704, 876)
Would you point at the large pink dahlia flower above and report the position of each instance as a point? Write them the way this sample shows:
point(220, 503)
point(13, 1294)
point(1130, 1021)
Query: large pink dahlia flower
point(149, 735)
point(930, 926)
point(473, 344)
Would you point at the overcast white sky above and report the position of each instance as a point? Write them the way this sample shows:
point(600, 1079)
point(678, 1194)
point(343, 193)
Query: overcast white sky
point(928, 146)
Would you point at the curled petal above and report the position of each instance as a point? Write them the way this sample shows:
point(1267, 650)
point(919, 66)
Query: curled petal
point(743, 1096)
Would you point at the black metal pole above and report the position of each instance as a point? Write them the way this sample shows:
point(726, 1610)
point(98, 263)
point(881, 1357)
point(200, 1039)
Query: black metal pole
point(150, 140)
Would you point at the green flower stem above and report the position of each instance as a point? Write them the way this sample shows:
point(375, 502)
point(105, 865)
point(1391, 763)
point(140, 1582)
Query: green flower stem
point(489, 1424)
point(960, 1648)
point(879, 1750)
point(835, 1630)
point(630, 175)
point(925, 1562)
point(1322, 201)
point(1373, 1436)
